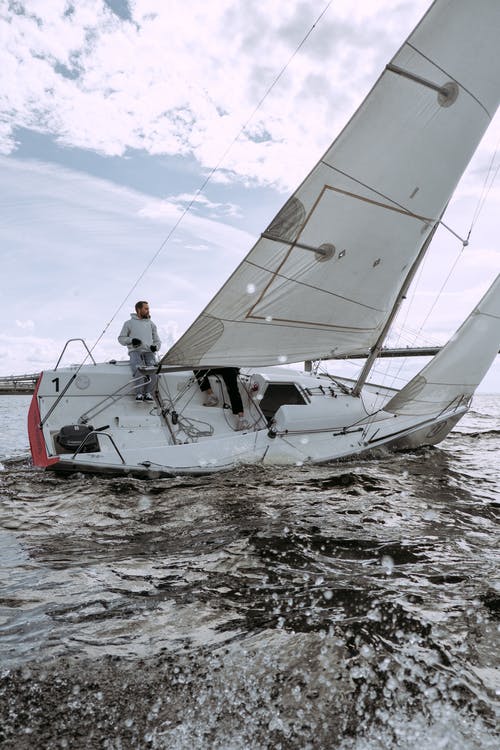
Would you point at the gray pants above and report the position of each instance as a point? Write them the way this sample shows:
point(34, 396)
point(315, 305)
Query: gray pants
point(143, 359)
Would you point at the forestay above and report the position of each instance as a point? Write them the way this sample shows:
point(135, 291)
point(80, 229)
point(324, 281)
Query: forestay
point(324, 276)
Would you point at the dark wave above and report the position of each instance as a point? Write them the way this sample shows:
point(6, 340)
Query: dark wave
point(476, 434)
point(319, 606)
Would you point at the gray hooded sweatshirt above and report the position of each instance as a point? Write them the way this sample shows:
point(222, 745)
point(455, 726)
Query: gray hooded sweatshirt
point(139, 328)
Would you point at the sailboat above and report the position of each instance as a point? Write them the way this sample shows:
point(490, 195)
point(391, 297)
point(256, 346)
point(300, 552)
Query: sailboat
point(324, 280)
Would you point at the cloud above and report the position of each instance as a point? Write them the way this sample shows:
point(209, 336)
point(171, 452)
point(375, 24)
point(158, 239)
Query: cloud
point(172, 210)
point(25, 324)
point(74, 246)
point(144, 77)
point(190, 79)
point(130, 80)
point(214, 209)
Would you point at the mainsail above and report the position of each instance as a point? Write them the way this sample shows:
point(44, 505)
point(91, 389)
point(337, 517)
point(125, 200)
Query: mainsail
point(323, 278)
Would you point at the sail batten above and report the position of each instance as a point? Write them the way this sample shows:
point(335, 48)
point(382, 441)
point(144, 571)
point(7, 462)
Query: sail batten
point(324, 277)
point(300, 245)
point(418, 79)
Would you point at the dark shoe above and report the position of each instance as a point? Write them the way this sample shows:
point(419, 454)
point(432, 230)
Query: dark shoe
point(139, 397)
point(148, 397)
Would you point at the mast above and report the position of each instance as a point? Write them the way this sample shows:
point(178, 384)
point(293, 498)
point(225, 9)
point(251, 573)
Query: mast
point(376, 348)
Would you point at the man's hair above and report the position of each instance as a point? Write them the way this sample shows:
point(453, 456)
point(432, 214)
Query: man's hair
point(140, 304)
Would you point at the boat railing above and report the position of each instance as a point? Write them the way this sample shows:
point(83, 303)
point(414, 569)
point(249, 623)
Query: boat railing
point(123, 390)
point(66, 346)
point(100, 434)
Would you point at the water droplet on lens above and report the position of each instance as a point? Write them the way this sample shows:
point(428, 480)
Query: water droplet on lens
point(366, 651)
point(430, 515)
point(387, 564)
point(144, 502)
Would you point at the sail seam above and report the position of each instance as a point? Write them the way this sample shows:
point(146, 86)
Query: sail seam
point(452, 78)
point(397, 206)
point(291, 323)
point(303, 283)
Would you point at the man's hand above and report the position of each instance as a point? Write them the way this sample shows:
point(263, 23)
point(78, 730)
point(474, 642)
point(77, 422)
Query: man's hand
point(153, 348)
point(136, 342)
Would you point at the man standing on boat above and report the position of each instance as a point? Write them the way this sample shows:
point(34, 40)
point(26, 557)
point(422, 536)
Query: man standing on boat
point(140, 336)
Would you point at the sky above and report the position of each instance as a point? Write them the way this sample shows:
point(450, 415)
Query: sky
point(114, 113)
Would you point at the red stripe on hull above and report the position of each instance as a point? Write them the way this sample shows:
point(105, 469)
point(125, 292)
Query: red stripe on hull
point(35, 434)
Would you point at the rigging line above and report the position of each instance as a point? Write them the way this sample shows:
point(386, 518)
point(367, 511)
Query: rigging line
point(403, 208)
point(452, 231)
point(488, 184)
point(375, 191)
point(489, 180)
point(440, 292)
point(386, 374)
point(211, 173)
point(357, 365)
point(418, 332)
point(296, 280)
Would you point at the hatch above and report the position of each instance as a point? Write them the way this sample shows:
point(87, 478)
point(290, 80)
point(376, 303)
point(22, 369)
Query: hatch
point(277, 394)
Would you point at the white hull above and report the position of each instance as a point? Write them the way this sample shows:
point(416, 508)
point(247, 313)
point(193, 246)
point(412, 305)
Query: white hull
point(294, 417)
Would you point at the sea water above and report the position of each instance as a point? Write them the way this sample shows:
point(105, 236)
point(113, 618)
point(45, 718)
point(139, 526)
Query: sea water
point(350, 606)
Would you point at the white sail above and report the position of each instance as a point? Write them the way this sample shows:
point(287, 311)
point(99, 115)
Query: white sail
point(324, 276)
point(453, 375)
